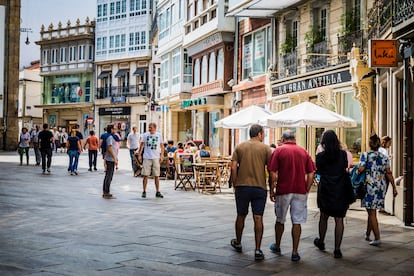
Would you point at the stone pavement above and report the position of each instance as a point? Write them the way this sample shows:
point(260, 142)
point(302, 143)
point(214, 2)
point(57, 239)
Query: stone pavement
point(59, 225)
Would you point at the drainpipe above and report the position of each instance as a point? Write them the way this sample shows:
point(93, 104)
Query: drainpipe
point(235, 63)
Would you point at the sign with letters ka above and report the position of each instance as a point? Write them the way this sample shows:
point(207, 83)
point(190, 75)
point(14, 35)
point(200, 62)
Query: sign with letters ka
point(382, 53)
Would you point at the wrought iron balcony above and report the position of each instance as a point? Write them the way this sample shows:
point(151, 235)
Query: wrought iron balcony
point(379, 18)
point(345, 43)
point(288, 64)
point(140, 90)
point(316, 61)
point(402, 11)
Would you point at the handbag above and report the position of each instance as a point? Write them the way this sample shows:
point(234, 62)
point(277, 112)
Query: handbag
point(358, 182)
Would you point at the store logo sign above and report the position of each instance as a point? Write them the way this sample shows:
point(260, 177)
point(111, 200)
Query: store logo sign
point(382, 53)
point(193, 102)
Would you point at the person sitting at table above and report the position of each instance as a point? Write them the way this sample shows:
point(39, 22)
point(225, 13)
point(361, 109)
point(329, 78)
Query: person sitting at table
point(202, 153)
point(190, 147)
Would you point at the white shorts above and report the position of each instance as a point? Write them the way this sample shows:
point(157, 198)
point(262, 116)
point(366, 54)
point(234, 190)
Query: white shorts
point(298, 208)
point(150, 167)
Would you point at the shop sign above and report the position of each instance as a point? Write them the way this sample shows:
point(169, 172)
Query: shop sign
point(126, 110)
point(312, 83)
point(119, 99)
point(382, 53)
point(193, 102)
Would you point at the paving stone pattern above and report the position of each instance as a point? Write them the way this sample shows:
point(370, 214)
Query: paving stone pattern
point(59, 224)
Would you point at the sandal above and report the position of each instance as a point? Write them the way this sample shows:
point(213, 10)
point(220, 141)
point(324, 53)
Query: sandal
point(321, 245)
point(237, 246)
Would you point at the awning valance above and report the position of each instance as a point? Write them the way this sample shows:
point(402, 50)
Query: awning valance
point(139, 72)
point(121, 73)
point(103, 75)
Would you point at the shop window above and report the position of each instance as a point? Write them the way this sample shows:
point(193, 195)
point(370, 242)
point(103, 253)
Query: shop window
point(352, 109)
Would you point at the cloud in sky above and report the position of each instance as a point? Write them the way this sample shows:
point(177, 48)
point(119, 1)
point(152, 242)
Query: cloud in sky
point(34, 13)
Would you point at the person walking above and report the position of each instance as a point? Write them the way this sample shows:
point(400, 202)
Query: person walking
point(46, 142)
point(332, 164)
point(151, 151)
point(93, 144)
point(63, 140)
point(56, 139)
point(377, 168)
point(24, 145)
point(248, 176)
point(111, 160)
point(291, 172)
point(34, 136)
point(386, 142)
point(132, 144)
point(80, 136)
point(73, 149)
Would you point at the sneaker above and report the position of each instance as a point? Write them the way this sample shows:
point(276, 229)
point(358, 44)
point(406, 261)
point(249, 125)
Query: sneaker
point(375, 242)
point(258, 255)
point(75, 172)
point(237, 246)
point(274, 249)
point(68, 169)
point(72, 173)
point(337, 254)
point(48, 171)
point(144, 195)
point(90, 169)
point(95, 169)
point(321, 245)
point(43, 172)
point(159, 195)
point(295, 257)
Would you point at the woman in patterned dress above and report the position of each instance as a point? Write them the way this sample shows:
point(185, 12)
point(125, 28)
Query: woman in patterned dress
point(377, 166)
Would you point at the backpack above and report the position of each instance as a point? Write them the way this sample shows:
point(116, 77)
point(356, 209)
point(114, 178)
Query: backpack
point(104, 138)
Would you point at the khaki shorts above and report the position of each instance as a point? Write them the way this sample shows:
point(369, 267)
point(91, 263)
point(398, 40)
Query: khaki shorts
point(151, 165)
point(298, 208)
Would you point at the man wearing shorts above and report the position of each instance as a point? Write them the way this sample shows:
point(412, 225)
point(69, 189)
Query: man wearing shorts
point(249, 179)
point(291, 172)
point(151, 144)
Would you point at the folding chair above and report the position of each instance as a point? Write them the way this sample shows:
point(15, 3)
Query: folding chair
point(183, 176)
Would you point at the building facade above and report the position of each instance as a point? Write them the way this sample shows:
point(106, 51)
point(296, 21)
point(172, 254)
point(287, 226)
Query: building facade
point(209, 40)
point(30, 91)
point(124, 87)
point(67, 55)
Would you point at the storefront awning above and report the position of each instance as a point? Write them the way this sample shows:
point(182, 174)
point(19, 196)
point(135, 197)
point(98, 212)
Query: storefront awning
point(258, 8)
point(103, 75)
point(121, 73)
point(139, 72)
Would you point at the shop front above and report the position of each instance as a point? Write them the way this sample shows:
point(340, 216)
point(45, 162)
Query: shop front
point(118, 116)
point(332, 90)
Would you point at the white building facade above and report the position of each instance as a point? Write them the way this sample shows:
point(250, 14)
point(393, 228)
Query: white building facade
point(123, 56)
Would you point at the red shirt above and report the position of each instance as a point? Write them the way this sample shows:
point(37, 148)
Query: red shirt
point(292, 163)
point(93, 142)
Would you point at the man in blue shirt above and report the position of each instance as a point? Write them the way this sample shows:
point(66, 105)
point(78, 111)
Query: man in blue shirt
point(111, 160)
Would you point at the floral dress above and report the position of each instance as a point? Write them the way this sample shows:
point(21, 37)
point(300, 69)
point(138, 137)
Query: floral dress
point(375, 164)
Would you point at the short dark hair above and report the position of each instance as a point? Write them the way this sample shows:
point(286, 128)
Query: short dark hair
point(288, 135)
point(374, 142)
point(170, 142)
point(91, 132)
point(109, 128)
point(255, 130)
point(45, 126)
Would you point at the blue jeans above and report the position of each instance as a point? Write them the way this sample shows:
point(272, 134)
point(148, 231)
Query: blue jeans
point(73, 160)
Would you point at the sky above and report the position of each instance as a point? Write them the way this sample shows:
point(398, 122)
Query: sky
point(34, 13)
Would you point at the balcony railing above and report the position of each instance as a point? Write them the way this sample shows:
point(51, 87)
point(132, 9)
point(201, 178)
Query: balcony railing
point(288, 65)
point(140, 90)
point(345, 43)
point(379, 18)
point(403, 10)
point(317, 62)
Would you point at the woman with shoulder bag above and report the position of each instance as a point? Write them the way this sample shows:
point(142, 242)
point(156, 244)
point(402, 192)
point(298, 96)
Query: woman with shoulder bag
point(333, 190)
point(377, 166)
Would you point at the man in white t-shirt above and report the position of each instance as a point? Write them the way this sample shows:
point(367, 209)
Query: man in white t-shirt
point(153, 148)
point(132, 144)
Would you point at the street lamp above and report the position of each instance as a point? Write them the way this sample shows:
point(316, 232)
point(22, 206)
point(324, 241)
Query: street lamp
point(27, 31)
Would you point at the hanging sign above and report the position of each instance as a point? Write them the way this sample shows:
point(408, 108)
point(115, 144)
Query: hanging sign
point(382, 53)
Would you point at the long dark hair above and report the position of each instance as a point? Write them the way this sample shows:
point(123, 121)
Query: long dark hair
point(331, 144)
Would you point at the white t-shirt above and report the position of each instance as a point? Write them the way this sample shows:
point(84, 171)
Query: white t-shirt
point(152, 145)
point(24, 140)
point(133, 140)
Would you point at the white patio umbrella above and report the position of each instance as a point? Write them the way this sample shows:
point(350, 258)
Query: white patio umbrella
point(307, 114)
point(243, 118)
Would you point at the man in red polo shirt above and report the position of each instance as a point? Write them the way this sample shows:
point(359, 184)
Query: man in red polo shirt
point(291, 171)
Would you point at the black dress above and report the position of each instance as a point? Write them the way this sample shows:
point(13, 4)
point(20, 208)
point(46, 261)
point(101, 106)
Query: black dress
point(332, 193)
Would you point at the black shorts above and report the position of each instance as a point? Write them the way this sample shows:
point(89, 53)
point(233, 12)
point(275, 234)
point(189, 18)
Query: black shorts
point(254, 195)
